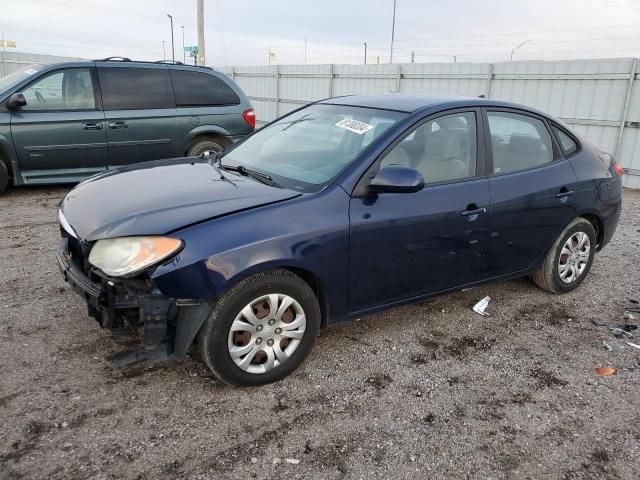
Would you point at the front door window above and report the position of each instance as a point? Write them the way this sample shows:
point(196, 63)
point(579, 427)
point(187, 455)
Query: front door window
point(69, 89)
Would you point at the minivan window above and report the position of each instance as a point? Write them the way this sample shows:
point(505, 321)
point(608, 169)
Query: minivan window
point(16, 77)
point(127, 88)
point(69, 89)
point(198, 89)
point(518, 141)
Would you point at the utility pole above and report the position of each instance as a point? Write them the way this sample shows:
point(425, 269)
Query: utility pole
point(365, 53)
point(184, 53)
point(201, 52)
point(164, 52)
point(173, 49)
point(393, 31)
point(413, 56)
point(4, 55)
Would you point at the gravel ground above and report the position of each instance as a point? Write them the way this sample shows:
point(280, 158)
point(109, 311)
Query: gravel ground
point(429, 391)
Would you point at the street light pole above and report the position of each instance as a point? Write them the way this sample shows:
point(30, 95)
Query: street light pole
point(365, 53)
point(518, 47)
point(393, 31)
point(184, 53)
point(173, 49)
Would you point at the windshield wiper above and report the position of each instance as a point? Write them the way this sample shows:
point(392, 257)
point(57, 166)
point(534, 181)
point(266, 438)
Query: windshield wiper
point(242, 170)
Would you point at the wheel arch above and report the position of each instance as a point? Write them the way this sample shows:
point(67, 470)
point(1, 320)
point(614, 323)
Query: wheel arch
point(213, 132)
point(598, 225)
point(305, 274)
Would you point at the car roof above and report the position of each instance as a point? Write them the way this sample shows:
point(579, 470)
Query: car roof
point(408, 103)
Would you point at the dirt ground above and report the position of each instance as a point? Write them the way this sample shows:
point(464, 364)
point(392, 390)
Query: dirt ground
point(425, 391)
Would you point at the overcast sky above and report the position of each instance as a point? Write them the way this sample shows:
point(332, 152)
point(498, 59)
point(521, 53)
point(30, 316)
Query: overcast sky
point(241, 32)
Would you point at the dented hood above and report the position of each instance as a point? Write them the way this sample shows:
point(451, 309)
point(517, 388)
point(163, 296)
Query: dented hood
point(156, 198)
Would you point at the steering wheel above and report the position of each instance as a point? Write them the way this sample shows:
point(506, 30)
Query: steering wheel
point(40, 97)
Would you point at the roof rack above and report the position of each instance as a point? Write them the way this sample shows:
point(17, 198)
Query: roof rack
point(164, 62)
point(114, 59)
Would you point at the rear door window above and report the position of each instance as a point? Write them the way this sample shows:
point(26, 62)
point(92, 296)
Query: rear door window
point(201, 89)
point(135, 88)
point(518, 142)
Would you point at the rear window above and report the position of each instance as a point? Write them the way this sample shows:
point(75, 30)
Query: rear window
point(196, 89)
point(135, 88)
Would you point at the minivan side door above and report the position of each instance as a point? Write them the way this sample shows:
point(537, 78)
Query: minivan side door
point(532, 189)
point(140, 112)
point(60, 133)
point(407, 245)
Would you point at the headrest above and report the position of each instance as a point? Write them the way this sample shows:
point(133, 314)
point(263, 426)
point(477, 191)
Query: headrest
point(442, 145)
point(522, 143)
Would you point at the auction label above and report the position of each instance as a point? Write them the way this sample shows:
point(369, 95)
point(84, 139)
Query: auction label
point(355, 126)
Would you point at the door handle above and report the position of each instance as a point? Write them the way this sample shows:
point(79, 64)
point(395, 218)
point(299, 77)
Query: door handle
point(564, 193)
point(115, 125)
point(92, 126)
point(473, 211)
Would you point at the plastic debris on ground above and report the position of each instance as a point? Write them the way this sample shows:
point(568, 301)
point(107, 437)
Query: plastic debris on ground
point(605, 371)
point(607, 347)
point(481, 306)
point(623, 330)
point(634, 345)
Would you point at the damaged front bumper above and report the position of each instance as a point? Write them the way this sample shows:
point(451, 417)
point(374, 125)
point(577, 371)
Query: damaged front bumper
point(166, 326)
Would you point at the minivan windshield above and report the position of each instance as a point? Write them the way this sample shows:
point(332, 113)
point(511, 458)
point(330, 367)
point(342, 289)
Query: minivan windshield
point(306, 150)
point(16, 77)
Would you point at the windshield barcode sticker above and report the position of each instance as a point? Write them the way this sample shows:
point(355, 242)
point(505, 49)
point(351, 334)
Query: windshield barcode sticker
point(354, 126)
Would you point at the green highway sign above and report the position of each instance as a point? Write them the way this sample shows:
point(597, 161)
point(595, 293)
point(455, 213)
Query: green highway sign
point(192, 51)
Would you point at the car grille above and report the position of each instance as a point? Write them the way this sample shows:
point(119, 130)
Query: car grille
point(78, 253)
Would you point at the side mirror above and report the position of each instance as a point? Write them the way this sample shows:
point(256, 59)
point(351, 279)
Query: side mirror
point(397, 179)
point(16, 101)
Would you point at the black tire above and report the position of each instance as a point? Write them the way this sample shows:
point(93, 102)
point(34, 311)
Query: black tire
point(4, 176)
point(213, 337)
point(548, 277)
point(202, 145)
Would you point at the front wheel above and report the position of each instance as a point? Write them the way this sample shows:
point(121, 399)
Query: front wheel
point(569, 259)
point(261, 330)
point(4, 176)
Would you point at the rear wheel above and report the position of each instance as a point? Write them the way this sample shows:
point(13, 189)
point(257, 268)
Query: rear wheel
point(204, 145)
point(4, 176)
point(261, 330)
point(569, 259)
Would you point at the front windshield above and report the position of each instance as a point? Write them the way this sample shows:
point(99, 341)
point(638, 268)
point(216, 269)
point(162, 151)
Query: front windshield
point(13, 78)
point(307, 149)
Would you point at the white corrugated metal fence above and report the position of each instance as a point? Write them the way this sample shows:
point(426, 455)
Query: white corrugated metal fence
point(599, 99)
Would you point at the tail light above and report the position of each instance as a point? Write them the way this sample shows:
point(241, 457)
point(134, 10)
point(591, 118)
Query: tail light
point(619, 171)
point(250, 117)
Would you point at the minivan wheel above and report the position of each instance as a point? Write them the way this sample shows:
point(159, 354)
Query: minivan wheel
point(4, 176)
point(261, 330)
point(569, 259)
point(204, 145)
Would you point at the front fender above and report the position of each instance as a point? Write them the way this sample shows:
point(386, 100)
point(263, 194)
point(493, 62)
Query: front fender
point(309, 233)
point(7, 151)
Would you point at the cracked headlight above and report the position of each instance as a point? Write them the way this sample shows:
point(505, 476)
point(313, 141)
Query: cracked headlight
point(126, 256)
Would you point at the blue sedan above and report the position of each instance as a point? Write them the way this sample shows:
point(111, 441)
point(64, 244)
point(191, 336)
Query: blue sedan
point(341, 208)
